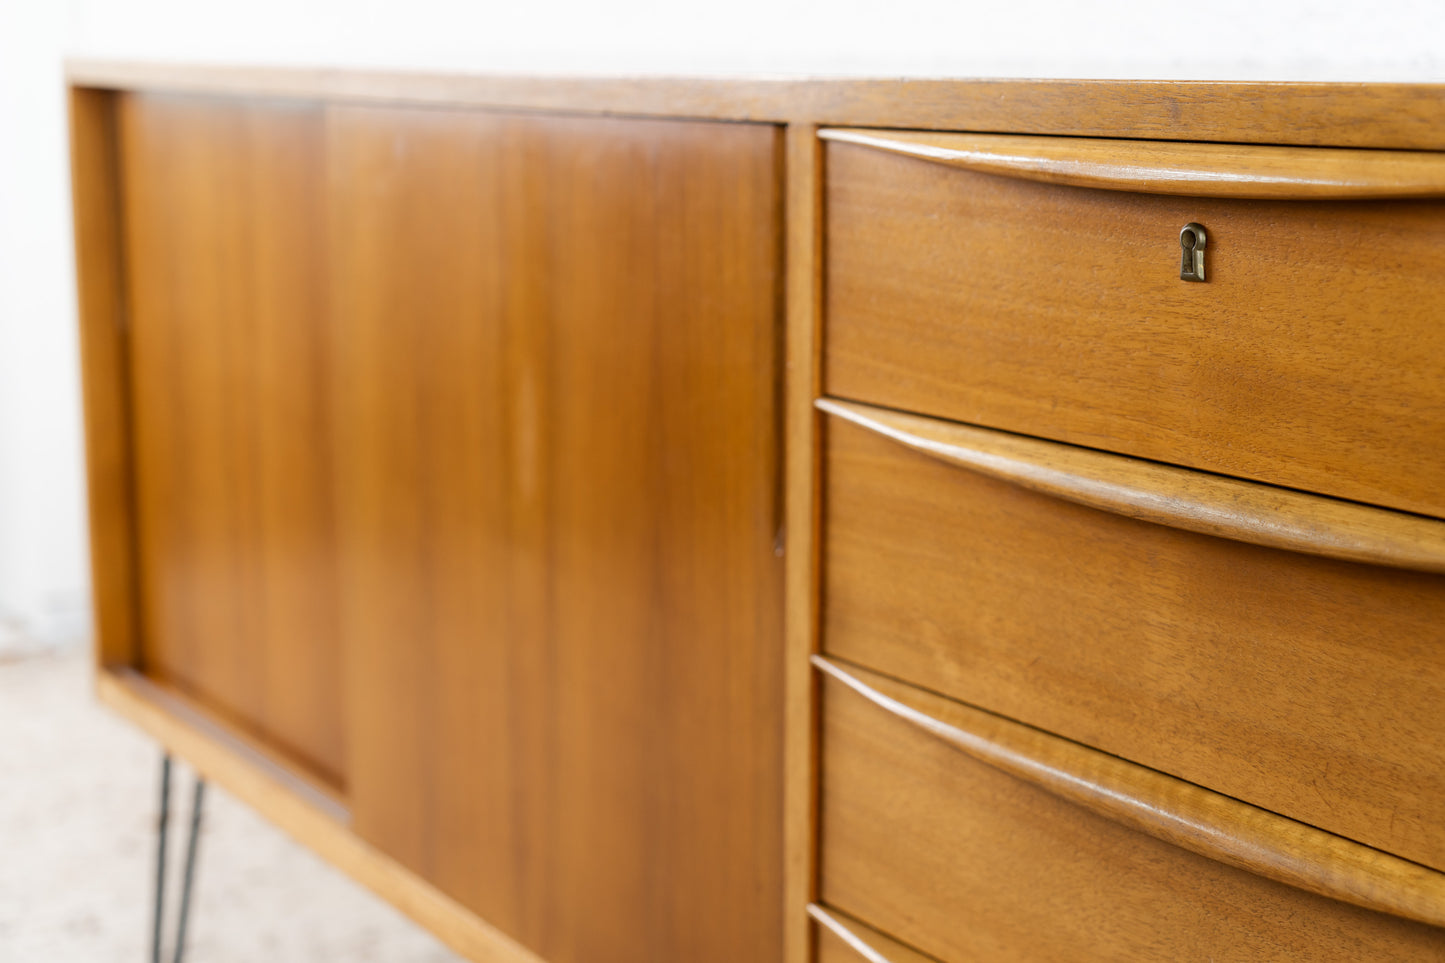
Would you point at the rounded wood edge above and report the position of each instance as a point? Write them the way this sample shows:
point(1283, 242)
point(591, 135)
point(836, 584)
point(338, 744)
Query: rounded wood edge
point(1179, 813)
point(1391, 115)
point(1162, 167)
point(305, 818)
point(868, 943)
point(1182, 498)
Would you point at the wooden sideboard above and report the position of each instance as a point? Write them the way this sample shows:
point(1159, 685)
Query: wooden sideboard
point(626, 520)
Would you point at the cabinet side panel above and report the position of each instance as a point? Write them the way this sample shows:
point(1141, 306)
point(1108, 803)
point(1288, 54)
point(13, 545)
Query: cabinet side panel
point(95, 185)
point(224, 238)
point(560, 451)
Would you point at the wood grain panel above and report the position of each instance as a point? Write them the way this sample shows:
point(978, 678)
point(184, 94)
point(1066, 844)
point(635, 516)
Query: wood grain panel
point(100, 277)
point(964, 862)
point(434, 544)
point(559, 399)
point(1304, 685)
point(1404, 116)
point(225, 246)
point(1310, 358)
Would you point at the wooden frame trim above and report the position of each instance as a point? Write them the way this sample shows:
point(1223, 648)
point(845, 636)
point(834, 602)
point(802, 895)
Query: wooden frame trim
point(137, 687)
point(307, 816)
point(803, 469)
point(1391, 115)
point(100, 278)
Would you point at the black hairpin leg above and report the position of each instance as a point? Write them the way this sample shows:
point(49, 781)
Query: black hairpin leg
point(162, 827)
point(187, 881)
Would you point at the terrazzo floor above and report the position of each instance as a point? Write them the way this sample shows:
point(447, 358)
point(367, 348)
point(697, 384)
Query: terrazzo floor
point(77, 817)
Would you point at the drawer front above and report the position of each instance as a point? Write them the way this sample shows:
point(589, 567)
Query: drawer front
point(1313, 355)
point(963, 861)
point(1309, 686)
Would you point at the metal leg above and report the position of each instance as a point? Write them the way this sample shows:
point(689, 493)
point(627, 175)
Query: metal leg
point(197, 801)
point(188, 880)
point(162, 827)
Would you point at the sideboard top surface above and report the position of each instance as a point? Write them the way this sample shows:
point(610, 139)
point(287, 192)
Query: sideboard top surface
point(1387, 115)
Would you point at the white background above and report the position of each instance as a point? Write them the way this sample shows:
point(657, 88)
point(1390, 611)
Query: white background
point(42, 545)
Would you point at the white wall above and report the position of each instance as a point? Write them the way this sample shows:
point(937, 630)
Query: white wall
point(42, 569)
point(42, 554)
point(1166, 39)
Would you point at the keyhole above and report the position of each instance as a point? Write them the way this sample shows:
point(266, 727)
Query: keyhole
point(1191, 263)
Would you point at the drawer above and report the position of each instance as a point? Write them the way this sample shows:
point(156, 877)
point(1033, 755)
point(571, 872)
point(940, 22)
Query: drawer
point(1131, 607)
point(1312, 356)
point(965, 836)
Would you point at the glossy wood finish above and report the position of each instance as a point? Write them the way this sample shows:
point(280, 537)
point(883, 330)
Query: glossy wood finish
point(804, 329)
point(1304, 685)
point(557, 344)
point(962, 861)
point(1401, 116)
point(1175, 497)
point(1162, 167)
point(1203, 822)
point(841, 939)
point(546, 407)
point(1308, 359)
point(306, 812)
point(100, 275)
point(225, 242)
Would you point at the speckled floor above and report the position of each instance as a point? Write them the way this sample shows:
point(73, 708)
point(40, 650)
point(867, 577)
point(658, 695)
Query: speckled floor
point(77, 814)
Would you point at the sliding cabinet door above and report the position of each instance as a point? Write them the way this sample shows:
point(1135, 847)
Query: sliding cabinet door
point(224, 245)
point(558, 510)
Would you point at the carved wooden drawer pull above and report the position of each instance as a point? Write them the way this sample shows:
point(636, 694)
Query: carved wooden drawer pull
point(1165, 167)
point(1183, 814)
point(1178, 497)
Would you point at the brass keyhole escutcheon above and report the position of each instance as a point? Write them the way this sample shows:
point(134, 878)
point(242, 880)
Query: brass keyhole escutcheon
point(1192, 239)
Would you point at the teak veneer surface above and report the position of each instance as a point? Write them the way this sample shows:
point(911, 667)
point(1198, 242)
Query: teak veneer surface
point(1307, 686)
point(557, 352)
point(225, 241)
point(1310, 357)
point(436, 462)
point(963, 862)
